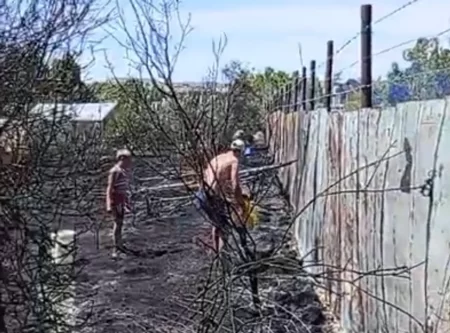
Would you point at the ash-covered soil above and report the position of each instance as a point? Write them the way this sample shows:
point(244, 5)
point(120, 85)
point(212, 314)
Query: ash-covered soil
point(148, 289)
point(154, 288)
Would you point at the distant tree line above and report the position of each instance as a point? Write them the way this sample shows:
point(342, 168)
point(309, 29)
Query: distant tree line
point(426, 77)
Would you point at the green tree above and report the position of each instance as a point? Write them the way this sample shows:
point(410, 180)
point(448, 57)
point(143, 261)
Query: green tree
point(243, 110)
point(270, 80)
point(141, 111)
point(131, 122)
point(65, 77)
point(426, 77)
point(429, 54)
point(23, 71)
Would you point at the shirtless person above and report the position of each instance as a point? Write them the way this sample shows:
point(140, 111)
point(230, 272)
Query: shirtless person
point(117, 195)
point(221, 182)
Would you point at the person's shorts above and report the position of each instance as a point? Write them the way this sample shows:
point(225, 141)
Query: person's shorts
point(215, 208)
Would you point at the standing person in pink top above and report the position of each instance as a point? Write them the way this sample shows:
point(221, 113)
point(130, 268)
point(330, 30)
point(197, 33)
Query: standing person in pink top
point(118, 195)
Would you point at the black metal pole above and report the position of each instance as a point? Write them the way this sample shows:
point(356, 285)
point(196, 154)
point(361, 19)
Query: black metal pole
point(312, 85)
point(329, 76)
point(366, 56)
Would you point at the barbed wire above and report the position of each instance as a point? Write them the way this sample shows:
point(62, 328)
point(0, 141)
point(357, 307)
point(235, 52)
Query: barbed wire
point(358, 88)
point(394, 47)
point(395, 11)
point(286, 92)
point(355, 37)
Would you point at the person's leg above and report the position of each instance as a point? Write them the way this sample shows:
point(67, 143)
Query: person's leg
point(242, 232)
point(222, 220)
point(215, 209)
point(201, 204)
point(117, 228)
point(220, 241)
point(118, 224)
point(216, 239)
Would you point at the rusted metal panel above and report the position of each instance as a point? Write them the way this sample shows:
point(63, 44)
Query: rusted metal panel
point(356, 190)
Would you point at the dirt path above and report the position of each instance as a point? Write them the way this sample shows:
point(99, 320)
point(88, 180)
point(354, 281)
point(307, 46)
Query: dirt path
point(149, 288)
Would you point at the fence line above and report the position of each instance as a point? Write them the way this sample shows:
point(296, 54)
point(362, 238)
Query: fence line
point(369, 191)
point(304, 88)
point(358, 34)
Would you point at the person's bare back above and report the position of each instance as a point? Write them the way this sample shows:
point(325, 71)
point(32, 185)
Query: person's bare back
point(220, 186)
point(218, 174)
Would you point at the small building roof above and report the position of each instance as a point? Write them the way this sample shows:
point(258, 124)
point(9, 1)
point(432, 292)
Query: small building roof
point(79, 111)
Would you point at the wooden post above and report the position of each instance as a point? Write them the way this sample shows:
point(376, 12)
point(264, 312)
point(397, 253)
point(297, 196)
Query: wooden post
point(271, 100)
point(276, 98)
point(312, 85)
point(288, 100)
point(281, 99)
point(296, 80)
point(304, 87)
point(329, 76)
point(366, 56)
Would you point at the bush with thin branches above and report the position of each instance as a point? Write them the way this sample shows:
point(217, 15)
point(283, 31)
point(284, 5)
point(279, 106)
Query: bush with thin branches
point(47, 165)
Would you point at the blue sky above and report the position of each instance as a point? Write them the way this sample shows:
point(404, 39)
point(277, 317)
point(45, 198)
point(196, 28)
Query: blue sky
point(268, 33)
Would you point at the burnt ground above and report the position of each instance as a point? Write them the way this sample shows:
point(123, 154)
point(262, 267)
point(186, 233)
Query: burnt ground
point(148, 287)
point(151, 289)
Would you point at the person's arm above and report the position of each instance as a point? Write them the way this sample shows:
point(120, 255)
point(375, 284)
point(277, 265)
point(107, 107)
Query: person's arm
point(236, 186)
point(109, 191)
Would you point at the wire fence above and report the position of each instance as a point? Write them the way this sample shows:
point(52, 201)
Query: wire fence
point(428, 78)
point(348, 211)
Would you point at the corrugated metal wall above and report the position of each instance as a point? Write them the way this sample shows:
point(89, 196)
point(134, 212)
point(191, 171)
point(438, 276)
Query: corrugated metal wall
point(355, 188)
